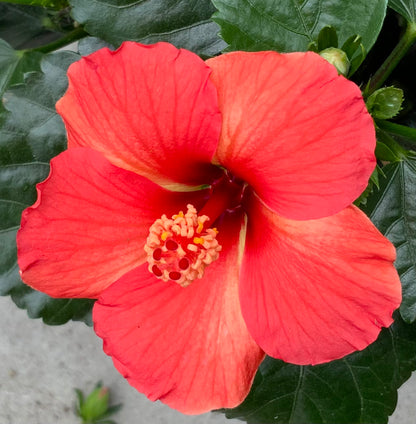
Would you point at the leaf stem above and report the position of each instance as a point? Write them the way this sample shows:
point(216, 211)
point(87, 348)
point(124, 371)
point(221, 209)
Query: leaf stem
point(69, 38)
point(397, 129)
point(407, 40)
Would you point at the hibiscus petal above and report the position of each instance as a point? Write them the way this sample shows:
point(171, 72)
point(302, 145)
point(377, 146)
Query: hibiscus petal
point(314, 291)
point(188, 347)
point(89, 224)
point(148, 109)
point(294, 130)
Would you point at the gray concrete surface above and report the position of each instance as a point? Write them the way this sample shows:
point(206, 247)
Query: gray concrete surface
point(41, 365)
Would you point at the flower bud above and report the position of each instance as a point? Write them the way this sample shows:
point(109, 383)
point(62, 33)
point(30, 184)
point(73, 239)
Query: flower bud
point(338, 58)
point(95, 405)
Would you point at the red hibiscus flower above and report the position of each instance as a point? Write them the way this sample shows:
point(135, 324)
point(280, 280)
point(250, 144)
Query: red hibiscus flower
point(207, 206)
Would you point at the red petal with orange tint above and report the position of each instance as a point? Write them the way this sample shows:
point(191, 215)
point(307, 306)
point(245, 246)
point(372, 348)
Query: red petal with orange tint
point(148, 109)
point(294, 130)
point(89, 224)
point(188, 347)
point(314, 291)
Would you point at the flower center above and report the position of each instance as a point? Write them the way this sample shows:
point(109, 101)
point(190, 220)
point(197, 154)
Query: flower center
point(179, 249)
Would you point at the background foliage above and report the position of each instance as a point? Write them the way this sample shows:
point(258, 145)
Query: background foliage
point(378, 38)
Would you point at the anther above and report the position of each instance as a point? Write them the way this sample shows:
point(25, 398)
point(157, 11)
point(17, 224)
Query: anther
point(171, 244)
point(174, 275)
point(156, 271)
point(157, 254)
point(183, 264)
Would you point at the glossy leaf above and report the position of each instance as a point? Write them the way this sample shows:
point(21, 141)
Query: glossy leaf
point(360, 388)
point(89, 45)
point(53, 4)
point(387, 148)
point(327, 37)
point(14, 64)
point(31, 133)
point(406, 8)
point(290, 25)
point(351, 45)
point(393, 210)
point(184, 23)
point(26, 26)
point(384, 152)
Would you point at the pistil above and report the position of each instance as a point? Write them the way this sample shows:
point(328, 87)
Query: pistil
point(226, 194)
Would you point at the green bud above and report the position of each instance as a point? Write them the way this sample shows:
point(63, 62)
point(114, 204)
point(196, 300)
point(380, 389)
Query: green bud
point(385, 103)
point(95, 405)
point(338, 58)
point(47, 23)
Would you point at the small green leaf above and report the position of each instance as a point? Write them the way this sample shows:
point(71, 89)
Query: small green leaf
point(406, 8)
point(351, 45)
point(385, 103)
point(388, 149)
point(358, 59)
point(392, 208)
point(359, 388)
point(385, 153)
point(31, 133)
point(80, 398)
point(291, 25)
point(14, 64)
point(327, 38)
point(184, 23)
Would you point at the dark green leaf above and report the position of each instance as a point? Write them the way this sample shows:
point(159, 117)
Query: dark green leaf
point(385, 103)
point(406, 8)
point(358, 59)
point(351, 45)
point(290, 25)
point(388, 149)
point(113, 409)
point(90, 45)
point(80, 399)
point(385, 153)
point(355, 51)
point(360, 388)
point(327, 37)
point(184, 23)
point(31, 133)
point(53, 4)
point(52, 311)
point(14, 64)
point(402, 134)
point(393, 210)
point(25, 26)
